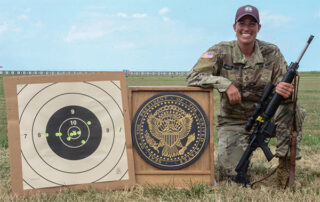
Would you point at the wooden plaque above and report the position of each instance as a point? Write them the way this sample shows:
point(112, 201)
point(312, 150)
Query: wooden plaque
point(202, 170)
point(69, 131)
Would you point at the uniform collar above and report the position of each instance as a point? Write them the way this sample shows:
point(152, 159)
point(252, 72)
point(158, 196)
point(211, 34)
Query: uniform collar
point(238, 56)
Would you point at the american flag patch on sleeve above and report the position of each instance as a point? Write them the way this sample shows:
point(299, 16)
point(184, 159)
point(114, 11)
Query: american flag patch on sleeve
point(207, 55)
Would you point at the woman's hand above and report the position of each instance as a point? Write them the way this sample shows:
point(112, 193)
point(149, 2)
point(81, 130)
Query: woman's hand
point(233, 94)
point(284, 89)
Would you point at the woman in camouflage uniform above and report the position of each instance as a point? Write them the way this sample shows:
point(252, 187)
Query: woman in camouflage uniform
point(240, 70)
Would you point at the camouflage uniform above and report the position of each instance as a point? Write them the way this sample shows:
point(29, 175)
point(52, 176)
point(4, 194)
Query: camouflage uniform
point(224, 64)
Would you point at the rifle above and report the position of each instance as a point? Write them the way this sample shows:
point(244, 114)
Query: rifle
point(261, 117)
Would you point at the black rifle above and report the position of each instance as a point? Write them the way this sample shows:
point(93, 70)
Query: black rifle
point(261, 117)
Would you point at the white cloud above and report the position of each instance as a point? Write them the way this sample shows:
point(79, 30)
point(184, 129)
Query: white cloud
point(38, 23)
point(317, 14)
point(3, 28)
point(274, 20)
point(77, 33)
point(97, 26)
point(122, 15)
point(166, 19)
point(16, 29)
point(126, 34)
point(28, 10)
point(139, 15)
point(125, 46)
point(90, 31)
point(23, 17)
point(164, 10)
point(96, 7)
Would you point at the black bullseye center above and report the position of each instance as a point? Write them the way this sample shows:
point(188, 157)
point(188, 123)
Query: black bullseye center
point(73, 132)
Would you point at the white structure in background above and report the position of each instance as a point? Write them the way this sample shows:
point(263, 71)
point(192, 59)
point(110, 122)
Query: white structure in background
point(128, 73)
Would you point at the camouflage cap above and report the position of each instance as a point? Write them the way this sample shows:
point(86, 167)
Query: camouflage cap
point(247, 10)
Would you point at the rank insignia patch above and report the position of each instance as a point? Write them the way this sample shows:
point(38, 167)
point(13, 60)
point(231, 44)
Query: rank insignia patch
point(170, 130)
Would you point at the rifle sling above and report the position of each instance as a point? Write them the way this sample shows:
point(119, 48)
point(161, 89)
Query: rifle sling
point(265, 177)
point(293, 134)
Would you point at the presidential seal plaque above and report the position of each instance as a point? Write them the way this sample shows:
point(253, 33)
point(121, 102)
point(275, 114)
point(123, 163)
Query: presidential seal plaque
point(170, 130)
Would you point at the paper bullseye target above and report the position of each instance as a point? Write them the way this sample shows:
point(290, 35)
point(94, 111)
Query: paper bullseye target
point(71, 133)
point(77, 128)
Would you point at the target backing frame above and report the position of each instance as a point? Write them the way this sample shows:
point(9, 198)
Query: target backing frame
point(200, 171)
point(110, 95)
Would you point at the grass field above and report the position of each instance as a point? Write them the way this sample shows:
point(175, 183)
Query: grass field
point(306, 188)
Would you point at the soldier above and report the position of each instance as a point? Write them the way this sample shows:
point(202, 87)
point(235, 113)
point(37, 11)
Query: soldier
point(240, 71)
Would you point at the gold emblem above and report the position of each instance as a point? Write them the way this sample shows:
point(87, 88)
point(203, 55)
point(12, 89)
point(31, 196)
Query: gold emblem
point(169, 124)
point(248, 9)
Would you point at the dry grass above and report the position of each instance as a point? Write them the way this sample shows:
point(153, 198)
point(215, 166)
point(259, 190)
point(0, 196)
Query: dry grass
point(306, 188)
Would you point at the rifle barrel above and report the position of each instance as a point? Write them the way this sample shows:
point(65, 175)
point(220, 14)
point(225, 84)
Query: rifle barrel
point(305, 48)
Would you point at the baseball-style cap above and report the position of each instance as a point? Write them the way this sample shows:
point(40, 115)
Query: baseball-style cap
point(247, 10)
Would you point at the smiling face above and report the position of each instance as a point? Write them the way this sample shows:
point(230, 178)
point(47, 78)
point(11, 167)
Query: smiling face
point(246, 30)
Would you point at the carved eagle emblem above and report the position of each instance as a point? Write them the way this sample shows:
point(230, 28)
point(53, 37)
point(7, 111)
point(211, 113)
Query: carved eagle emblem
point(169, 125)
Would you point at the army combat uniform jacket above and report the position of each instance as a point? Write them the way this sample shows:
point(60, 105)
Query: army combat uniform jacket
point(224, 64)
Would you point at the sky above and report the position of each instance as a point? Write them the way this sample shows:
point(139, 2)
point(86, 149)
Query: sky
point(143, 35)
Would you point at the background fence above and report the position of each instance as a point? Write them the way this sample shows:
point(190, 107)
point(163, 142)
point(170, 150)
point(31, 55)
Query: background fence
point(127, 72)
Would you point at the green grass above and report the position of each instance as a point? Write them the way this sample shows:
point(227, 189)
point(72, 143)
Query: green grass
point(307, 186)
point(3, 118)
point(3, 141)
point(156, 81)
